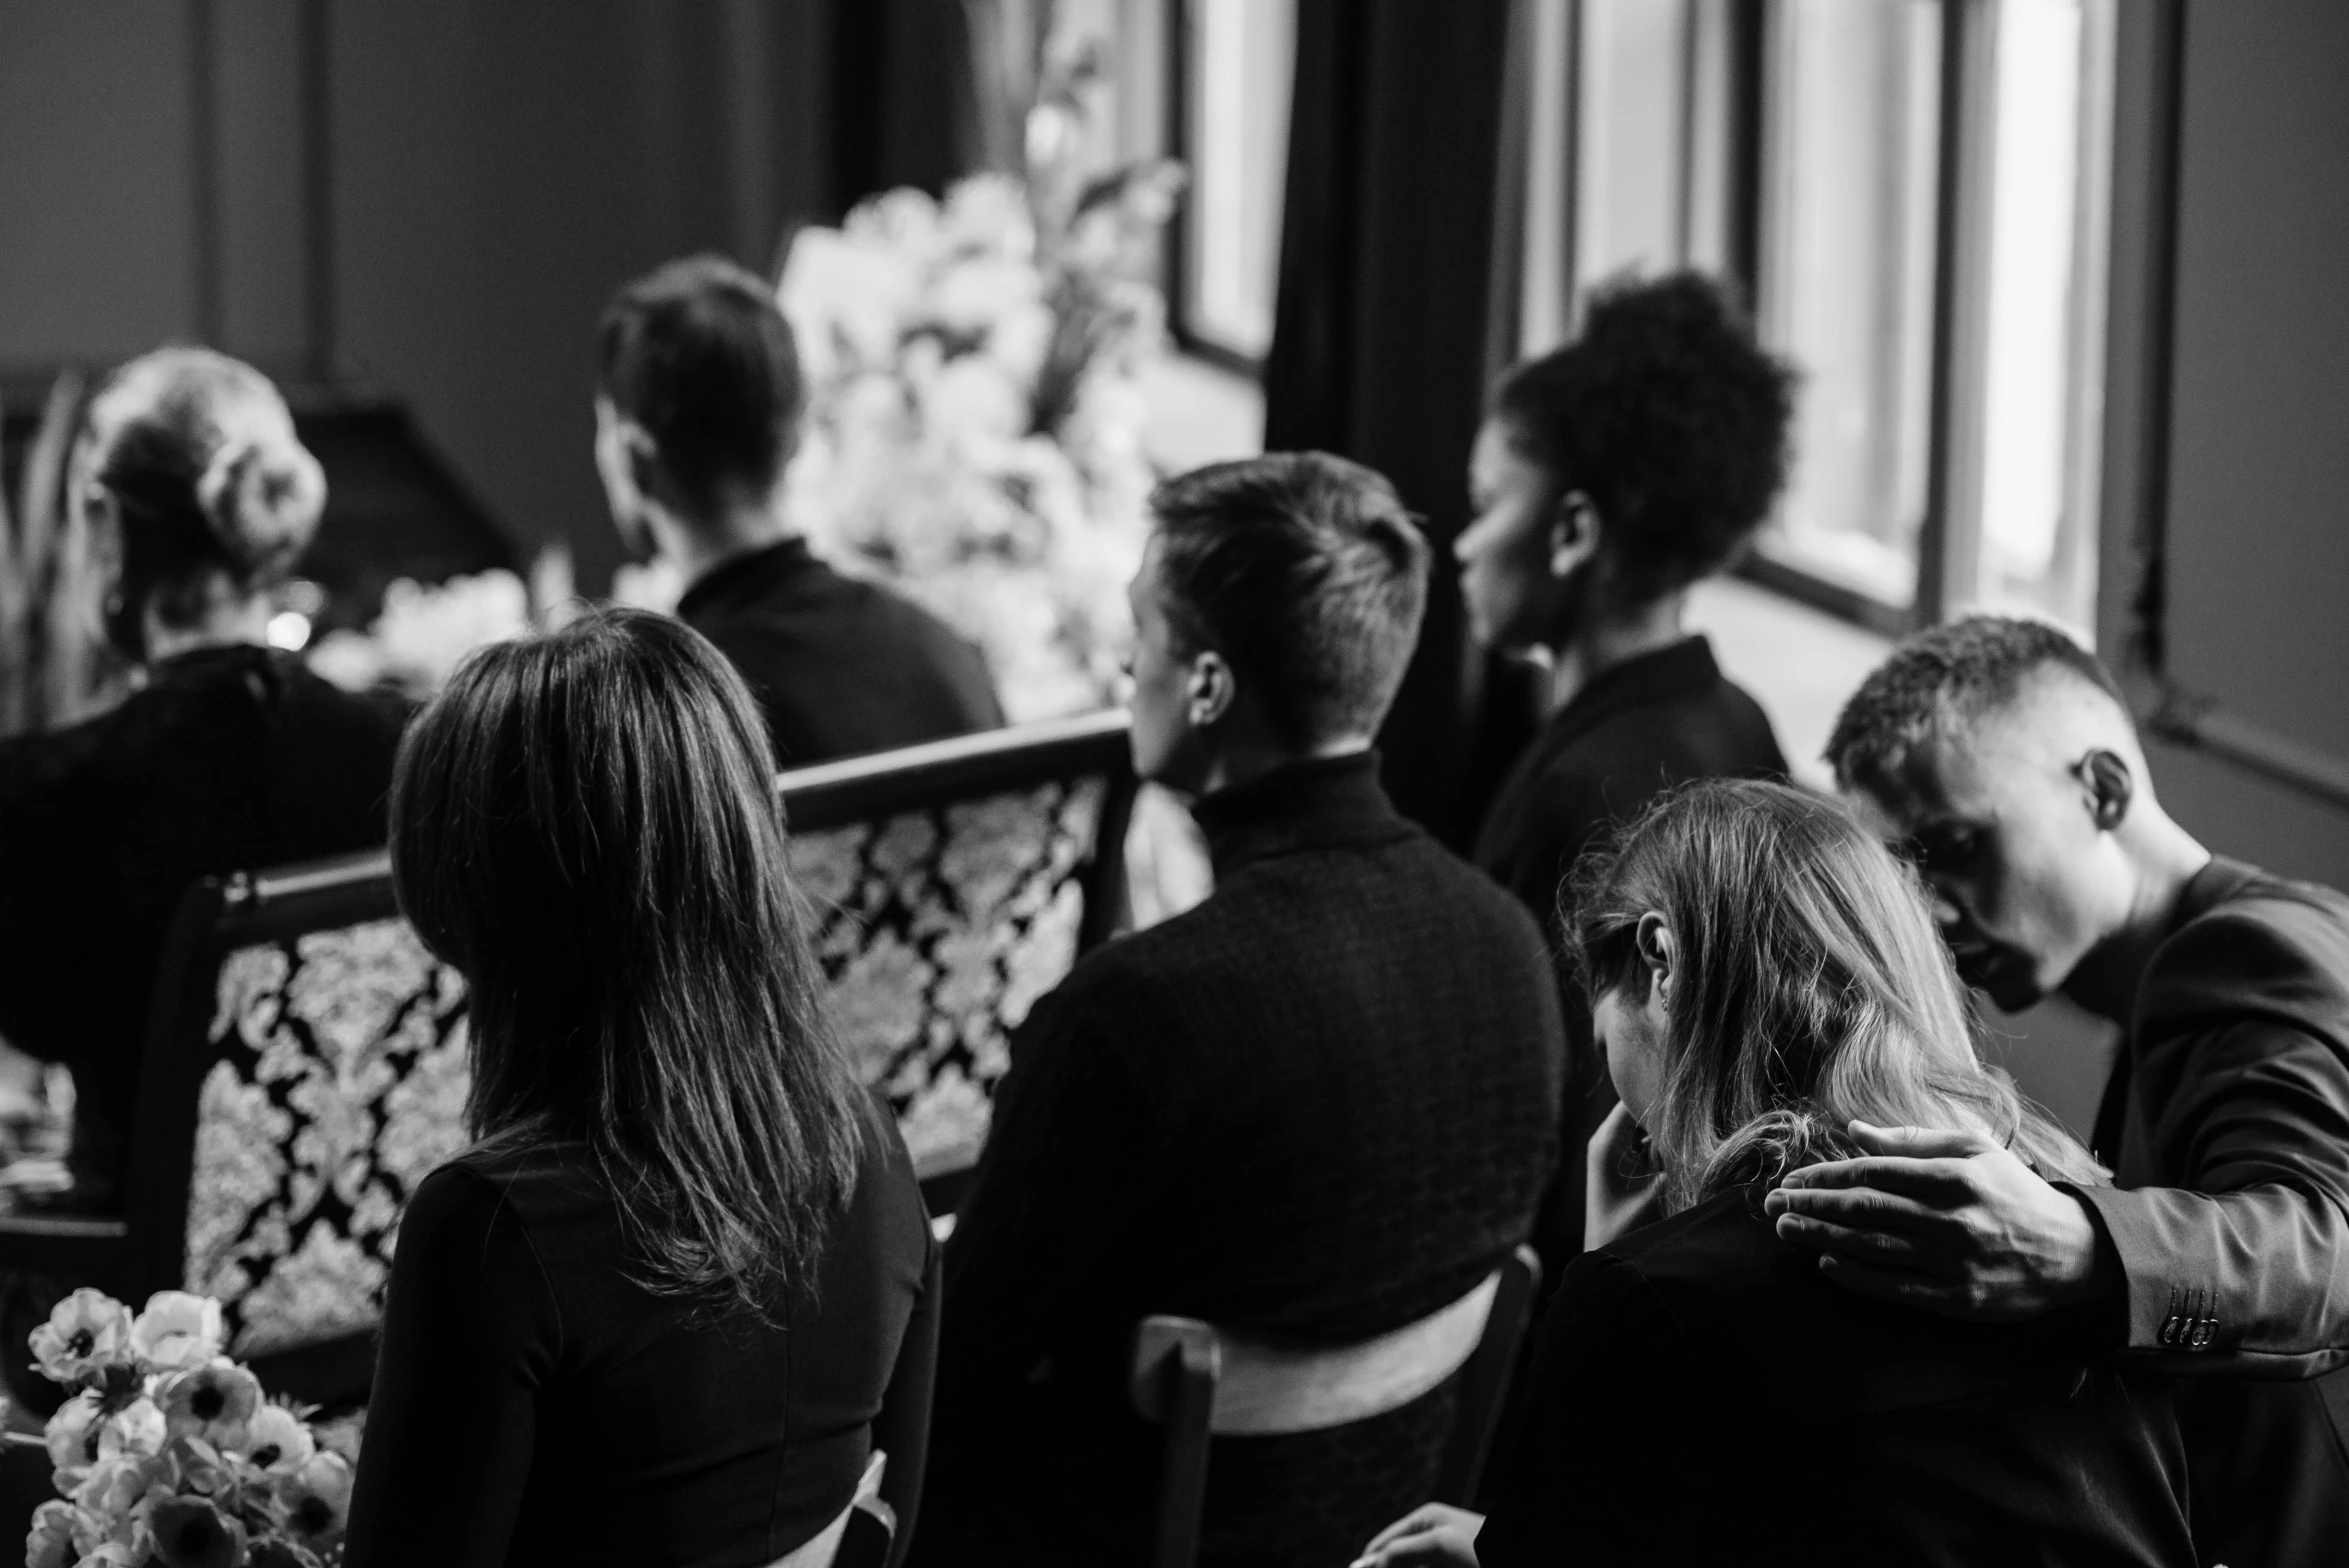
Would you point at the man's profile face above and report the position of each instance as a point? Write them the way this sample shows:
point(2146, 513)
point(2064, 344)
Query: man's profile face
point(2004, 833)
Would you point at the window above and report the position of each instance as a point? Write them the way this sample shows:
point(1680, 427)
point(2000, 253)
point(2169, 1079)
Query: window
point(1947, 436)
point(1235, 68)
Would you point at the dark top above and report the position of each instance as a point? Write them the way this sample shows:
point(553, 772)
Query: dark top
point(2234, 1087)
point(227, 759)
point(840, 665)
point(1316, 1106)
point(1702, 1395)
point(534, 1405)
point(1635, 731)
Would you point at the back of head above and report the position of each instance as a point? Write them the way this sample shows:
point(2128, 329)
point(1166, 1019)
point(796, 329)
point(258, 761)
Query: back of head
point(1668, 415)
point(1810, 988)
point(194, 457)
point(584, 824)
point(1944, 679)
point(1305, 572)
point(699, 354)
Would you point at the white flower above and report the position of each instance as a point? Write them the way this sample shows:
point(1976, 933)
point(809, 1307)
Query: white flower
point(88, 1332)
point(278, 1441)
point(177, 1331)
point(117, 1486)
point(72, 1435)
point(136, 1431)
point(317, 1496)
point(51, 1543)
point(214, 1402)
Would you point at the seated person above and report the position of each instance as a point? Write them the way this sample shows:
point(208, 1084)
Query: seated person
point(1609, 477)
point(672, 1302)
point(697, 412)
point(1765, 973)
point(2002, 755)
point(227, 756)
point(1317, 1106)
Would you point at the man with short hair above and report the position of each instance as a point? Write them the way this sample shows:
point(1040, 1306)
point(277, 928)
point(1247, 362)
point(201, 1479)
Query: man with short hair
point(698, 405)
point(2003, 756)
point(1315, 1108)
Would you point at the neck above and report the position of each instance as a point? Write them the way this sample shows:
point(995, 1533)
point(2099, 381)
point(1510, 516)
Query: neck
point(740, 527)
point(1244, 764)
point(242, 624)
point(2166, 857)
point(1605, 641)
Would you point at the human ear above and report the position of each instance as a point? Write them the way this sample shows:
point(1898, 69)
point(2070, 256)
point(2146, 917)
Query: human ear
point(1574, 533)
point(2110, 787)
point(1653, 939)
point(1210, 689)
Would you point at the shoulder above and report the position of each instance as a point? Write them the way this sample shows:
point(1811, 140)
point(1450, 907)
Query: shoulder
point(383, 713)
point(2269, 947)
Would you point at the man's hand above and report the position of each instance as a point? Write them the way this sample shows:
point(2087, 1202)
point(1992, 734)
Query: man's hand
point(1429, 1536)
point(1947, 1221)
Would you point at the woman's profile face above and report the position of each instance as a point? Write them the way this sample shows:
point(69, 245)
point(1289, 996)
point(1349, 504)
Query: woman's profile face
point(1630, 1030)
point(1513, 597)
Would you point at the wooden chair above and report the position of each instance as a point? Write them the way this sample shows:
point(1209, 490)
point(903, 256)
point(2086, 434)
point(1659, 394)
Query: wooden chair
point(1200, 1382)
point(952, 885)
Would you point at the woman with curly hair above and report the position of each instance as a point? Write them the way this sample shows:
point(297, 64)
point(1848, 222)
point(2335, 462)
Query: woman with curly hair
point(1765, 977)
point(1608, 478)
point(228, 755)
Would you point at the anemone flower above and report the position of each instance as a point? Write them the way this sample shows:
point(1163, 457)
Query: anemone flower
point(177, 1331)
point(190, 1533)
point(53, 1542)
point(88, 1331)
point(137, 1430)
point(317, 1497)
point(72, 1434)
point(215, 1402)
point(277, 1440)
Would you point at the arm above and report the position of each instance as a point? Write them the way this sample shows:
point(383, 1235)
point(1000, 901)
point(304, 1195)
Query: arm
point(467, 1335)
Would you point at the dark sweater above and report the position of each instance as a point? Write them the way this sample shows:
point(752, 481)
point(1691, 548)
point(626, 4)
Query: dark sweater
point(1635, 731)
point(841, 666)
point(534, 1404)
point(1317, 1106)
point(227, 759)
point(1701, 1394)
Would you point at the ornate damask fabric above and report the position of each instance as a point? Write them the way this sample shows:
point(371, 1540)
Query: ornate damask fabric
point(341, 1082)
point(342, 1074)
point(938, 930)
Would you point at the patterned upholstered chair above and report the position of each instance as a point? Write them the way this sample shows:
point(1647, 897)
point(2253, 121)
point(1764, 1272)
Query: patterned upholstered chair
point(305, 1065)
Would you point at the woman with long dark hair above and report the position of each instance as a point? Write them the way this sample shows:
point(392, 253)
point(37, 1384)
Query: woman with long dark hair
point(1764, 974)
point(671, 1301)
point(198, 498)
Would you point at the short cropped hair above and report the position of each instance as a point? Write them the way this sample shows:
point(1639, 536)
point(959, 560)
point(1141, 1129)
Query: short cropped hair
point(699, 354)
point(1942, 679)
point(1670, 417)
point(1305, 572)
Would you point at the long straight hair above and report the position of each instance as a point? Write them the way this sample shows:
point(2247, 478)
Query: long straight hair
point(1810, 988)
point(584, 824)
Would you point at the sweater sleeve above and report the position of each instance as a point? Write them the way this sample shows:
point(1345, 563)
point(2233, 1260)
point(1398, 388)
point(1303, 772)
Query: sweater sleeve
point(470, 1331)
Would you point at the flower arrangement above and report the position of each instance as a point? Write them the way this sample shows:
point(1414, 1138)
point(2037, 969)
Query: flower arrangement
point(975, 420)
point(167, 1453)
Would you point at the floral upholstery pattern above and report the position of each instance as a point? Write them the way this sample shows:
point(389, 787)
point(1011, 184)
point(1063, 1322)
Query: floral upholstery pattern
point(341, 1073)
point(938, 930)
point(340, 1082)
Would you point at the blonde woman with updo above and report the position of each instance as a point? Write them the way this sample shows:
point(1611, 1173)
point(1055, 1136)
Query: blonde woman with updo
point(1764, 976)
point(227, 755)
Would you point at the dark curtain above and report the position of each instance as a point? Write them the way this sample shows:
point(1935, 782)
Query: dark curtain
point(1385, 329)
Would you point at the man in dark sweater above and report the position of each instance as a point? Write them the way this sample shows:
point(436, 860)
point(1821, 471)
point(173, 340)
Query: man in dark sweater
point(2003, 756)
point(1317, 1107)
point(698, 409)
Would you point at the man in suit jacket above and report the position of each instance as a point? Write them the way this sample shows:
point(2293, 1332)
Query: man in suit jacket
point(1316, 1108)
point(2003, 755)
point(697, 412)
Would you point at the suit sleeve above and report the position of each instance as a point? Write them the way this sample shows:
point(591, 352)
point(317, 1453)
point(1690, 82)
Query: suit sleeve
point(469, 1331)
point(2241, 1269)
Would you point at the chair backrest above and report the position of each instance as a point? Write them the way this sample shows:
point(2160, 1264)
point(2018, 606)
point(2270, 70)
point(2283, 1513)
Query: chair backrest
point(306, 1065)
point(1200, 1382)
point(952, 885)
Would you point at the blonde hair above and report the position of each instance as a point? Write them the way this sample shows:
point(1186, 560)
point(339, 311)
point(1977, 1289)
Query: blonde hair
point(1810, 989)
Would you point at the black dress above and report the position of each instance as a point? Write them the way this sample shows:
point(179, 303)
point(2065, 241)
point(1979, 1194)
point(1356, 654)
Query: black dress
point(1316, 1107)
point(841, 666)
point(227, 759)
point(1701, 1394)
point(1638, 729)
point(535, 1406)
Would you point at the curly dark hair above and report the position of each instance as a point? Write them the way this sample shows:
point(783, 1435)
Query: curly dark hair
point(1670, 417)
point(1944, 677)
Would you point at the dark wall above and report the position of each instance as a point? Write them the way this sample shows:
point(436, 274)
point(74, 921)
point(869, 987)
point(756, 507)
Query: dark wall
point(433, 198)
